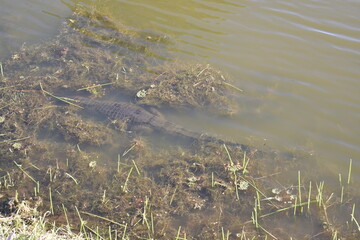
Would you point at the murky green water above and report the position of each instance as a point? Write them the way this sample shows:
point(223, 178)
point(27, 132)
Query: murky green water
point(297, 62)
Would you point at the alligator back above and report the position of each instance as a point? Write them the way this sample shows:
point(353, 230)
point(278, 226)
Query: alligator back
point(117, 110)
point(136, 115)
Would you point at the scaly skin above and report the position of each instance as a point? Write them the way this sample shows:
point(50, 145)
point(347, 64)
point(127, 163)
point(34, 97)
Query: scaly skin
point(135, 115)
point(138, 115)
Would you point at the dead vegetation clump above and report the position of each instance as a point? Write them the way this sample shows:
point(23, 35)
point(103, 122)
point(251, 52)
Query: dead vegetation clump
point(185, 86)
point(26, 222)
point(91, 51)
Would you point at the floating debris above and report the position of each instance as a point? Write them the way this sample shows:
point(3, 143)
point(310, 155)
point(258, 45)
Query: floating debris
point(92, 164)
point(141, 94)
point(243, 185)
point(17, 146)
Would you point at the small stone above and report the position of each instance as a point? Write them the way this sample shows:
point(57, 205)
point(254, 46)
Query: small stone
point(2, 119)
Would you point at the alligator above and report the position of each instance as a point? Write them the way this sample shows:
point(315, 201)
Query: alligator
point(138, 115)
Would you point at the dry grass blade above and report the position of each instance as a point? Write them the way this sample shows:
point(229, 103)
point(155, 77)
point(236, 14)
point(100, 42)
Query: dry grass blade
point(103, 218)
point(63, 99)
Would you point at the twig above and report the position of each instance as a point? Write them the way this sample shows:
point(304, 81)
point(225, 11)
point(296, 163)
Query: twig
point(63, 99)
point(1, 69)
point(232, 86)
point(94, 86)
point(103, 218)
point(14, 140)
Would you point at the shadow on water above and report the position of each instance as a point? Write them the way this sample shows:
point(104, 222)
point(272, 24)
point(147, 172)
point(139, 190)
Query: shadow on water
point(156, 185)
